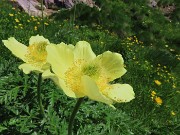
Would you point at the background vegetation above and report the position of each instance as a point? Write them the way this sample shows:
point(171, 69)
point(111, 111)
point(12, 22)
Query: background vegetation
point(147, 38)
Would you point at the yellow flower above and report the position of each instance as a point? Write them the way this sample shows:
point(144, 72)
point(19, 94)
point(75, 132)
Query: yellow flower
point(157, 82)
point(153, 93)
point(34, 19)
point(158, 100)
point(11, 14)
point(173, 113)
point(35, 27)
point(34, 55)
point(77, 27)
point(16, 20)
point(46, 23)
point(79, 72)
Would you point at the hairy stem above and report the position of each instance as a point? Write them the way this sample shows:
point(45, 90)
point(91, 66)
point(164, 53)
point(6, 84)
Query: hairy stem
point(71, 120)
point(39, 94)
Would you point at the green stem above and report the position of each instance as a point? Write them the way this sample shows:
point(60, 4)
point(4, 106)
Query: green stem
point(71, 120)
point(39, 94)
point(42, 14)
point(74, 14)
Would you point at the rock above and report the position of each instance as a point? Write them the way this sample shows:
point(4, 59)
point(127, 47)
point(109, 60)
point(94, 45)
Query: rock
point(33, 7)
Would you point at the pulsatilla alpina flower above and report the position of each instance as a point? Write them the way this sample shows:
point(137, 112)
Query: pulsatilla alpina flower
point(33, 55)
point(79, 73)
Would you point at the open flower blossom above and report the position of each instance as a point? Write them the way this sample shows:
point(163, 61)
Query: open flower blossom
point(79, 72)
point(157, 82)
point(33, 55)
point(158, 100)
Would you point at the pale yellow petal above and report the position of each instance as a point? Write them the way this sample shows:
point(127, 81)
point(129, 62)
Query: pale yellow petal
point(91, 90)
point(69, 92)
point(27, 68)
point(83, 51)
point(49, 75)
point(120, 92)
point(112, 64)
point(61, 84)
point(17, 48)
point(37, 39)
point(60, 57)
point(70, 46)
point(46, 66)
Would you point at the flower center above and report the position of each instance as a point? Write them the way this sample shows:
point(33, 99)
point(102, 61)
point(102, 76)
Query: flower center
point(78, 69)
point(37, 54)
point(91, 70)
point(73, 76)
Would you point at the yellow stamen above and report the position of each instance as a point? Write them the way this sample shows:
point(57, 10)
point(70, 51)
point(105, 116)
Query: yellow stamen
point(36, 54)
point(73, 76)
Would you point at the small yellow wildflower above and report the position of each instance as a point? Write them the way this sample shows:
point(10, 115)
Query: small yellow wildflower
point(79, 72)
point(16, 20)
point(13, 8)
point(35, 27)
point(34, 19)
point(153, 93)
point(174, 86)
point(77, 27)
point(11, 14)
point(173, 113)
point(33, 55)
point(158, 100)
point(157, 82)
point(46, 23)
point(172, 50)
